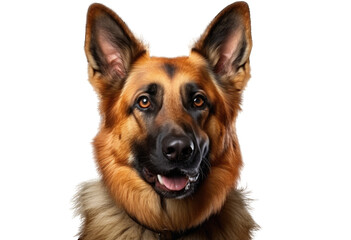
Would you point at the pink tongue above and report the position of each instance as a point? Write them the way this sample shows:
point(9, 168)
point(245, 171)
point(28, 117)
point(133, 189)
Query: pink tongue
point(175, 184)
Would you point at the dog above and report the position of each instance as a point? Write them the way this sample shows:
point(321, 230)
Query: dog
point(167, 149)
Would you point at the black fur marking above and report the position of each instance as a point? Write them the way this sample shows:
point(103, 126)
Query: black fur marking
point(170, 69)
point(189, 91)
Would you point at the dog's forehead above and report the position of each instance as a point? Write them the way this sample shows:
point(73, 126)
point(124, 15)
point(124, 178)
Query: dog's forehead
point(170, 73)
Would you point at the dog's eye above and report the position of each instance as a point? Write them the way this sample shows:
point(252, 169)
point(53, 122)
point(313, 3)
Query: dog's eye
point(199, 101)
point(144, 102)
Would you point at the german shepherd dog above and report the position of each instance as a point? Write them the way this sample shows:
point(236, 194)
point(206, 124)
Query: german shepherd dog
point(167, 148)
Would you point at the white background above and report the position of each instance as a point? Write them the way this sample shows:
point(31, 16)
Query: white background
point(294, 130)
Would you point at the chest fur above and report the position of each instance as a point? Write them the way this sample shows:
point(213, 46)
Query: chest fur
point(103, 219)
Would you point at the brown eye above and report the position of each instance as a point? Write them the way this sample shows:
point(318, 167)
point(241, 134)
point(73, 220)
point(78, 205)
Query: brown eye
point(144, 102)
point(199, 101)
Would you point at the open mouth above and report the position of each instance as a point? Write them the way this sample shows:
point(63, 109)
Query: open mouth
point(176, 183)
point(172, 185)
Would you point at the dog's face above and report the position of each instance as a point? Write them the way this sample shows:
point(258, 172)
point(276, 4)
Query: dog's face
point(167, 148)
point(169, 106)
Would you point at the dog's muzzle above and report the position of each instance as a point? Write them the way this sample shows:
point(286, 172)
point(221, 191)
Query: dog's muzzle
point(177, 163)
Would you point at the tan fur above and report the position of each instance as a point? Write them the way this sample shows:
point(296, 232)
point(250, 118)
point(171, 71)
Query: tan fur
point(104, 219)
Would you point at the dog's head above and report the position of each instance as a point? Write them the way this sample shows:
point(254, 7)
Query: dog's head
point(167, 148)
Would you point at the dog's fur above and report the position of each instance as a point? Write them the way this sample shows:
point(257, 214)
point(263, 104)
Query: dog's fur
point(171, 119)
point(104, 219)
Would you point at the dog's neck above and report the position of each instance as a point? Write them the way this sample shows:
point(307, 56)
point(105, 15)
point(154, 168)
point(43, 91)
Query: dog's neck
point(165, 234)
point(104, 219)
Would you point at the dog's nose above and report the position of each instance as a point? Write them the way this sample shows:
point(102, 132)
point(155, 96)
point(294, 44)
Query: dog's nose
point(178, 148)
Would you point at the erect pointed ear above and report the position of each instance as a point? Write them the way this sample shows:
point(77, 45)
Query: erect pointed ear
point(227, 43)
point(110, 46)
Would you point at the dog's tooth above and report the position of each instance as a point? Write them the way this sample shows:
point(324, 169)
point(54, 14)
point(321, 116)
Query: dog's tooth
point(187, 187)
point(159, 177)
point(194, 179)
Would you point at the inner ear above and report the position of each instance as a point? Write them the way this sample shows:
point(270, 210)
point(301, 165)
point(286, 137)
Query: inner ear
point(226, 43)
point(111, 57)
point(230, 53)
point(109, 44)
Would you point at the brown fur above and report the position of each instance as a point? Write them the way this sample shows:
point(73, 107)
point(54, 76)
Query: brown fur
point(119, 65)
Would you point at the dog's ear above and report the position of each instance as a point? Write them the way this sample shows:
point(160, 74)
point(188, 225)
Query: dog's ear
point(110, 46)
point(226, 44)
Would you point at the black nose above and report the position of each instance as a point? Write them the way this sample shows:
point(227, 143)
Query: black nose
point(177, 148)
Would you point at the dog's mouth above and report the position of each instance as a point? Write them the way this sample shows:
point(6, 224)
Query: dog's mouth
point(174, 184)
